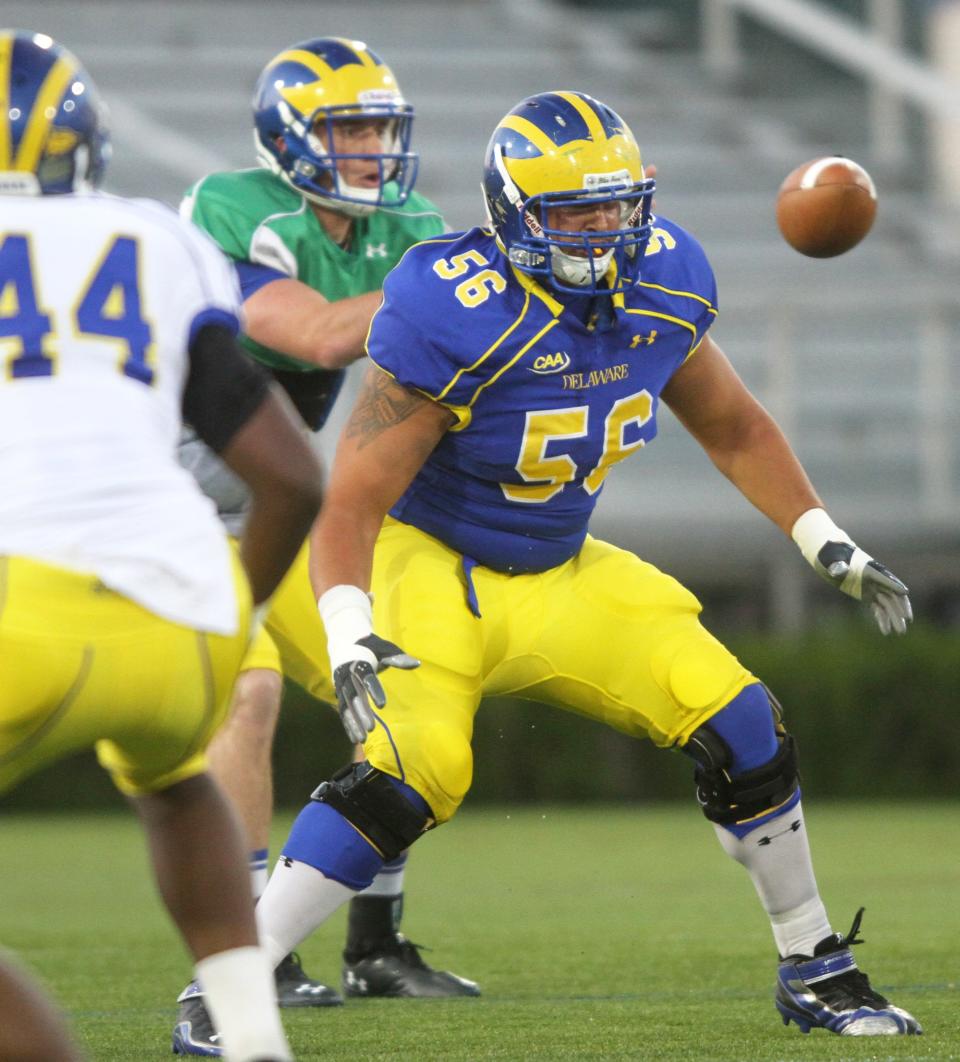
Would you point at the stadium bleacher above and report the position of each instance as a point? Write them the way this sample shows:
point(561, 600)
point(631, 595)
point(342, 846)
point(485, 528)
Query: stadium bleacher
point(855, 355)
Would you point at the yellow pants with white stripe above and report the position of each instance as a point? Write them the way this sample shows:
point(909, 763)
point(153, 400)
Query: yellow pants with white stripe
point(82, 666)
point(605, 635)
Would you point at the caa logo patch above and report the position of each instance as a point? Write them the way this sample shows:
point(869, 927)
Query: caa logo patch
point(547, 363)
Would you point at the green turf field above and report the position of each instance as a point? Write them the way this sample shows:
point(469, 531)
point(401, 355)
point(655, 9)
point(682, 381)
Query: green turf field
point(596, 933)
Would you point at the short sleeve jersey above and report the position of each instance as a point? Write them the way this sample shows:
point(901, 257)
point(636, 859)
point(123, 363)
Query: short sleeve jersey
point(100, 299)
point(545, 403)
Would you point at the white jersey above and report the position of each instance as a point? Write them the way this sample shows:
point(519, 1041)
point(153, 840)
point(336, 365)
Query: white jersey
point(99, 300)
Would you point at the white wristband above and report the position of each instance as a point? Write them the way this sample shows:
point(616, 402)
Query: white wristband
point(813, 530)
point(347, 617)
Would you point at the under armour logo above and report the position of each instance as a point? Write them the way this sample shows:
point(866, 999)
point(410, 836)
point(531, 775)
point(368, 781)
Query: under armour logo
point(792, 828)
point(376, 250)
point(645, 340)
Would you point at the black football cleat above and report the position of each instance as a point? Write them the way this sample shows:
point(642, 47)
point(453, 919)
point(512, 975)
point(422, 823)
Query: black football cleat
point(194, 1033)
point(296, 989)
point(394, 969)
point(826, 990)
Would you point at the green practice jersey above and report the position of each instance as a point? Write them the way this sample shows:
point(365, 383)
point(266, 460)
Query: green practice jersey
point(256, 218)
point(260, 222)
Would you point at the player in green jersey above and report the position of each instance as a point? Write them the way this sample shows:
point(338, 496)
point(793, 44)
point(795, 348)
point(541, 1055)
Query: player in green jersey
point(312, 234)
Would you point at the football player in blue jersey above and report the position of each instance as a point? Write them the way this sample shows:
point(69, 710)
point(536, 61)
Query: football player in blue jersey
point(513, 366)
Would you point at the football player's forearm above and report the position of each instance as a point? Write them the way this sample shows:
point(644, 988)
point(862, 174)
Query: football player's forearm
point(300, 323)
point(277, 524)
point(764, 468)
point(341, 548)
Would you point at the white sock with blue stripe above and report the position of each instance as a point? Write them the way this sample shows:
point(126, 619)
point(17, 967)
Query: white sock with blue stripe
point(258, 872)
point(389, 882)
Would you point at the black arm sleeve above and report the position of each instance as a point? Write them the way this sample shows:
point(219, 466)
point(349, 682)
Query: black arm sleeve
point(224, 388)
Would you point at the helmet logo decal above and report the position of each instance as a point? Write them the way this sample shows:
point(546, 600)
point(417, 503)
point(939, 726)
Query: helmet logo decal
point(532, 224)
point(375, 96)
point(600, 182)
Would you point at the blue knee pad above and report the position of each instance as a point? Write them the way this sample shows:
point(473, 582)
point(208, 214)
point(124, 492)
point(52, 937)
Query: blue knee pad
point(324, 839)
point(746, 763)
point(747, 728)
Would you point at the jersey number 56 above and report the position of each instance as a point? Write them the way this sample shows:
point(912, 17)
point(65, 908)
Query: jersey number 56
point(546, 476)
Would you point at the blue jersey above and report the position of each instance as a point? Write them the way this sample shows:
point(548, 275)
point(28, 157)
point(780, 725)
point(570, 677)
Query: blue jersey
point(546, 398)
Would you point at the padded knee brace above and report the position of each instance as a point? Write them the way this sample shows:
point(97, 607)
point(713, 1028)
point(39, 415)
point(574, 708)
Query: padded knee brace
point(371, 802)
point(726, 798)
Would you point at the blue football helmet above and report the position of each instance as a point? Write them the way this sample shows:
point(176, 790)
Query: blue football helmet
point(302, 93)
point(566, 149)
point(53, 135)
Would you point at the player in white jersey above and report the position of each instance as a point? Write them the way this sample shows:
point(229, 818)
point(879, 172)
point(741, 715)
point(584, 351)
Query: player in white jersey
point(124, 613)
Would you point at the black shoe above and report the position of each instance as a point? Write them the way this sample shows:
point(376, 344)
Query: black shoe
point(826, 990)
point(194, 1033)
point(296, 989)
point(394, 969)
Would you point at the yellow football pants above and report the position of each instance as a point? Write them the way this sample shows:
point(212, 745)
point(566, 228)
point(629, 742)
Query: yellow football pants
point(82, 666)
point(605, 635)
point(292, 639)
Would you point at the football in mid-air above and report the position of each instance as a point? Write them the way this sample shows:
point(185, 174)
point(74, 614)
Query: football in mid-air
point(826, 206)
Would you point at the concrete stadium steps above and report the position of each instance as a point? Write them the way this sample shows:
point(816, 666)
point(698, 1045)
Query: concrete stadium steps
point(839, 349)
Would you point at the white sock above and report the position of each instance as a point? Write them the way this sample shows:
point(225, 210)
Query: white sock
point(782, 873)
point(297, 899)
point(389, 882)
point(258, 872)
point(239, 992)
point(799, 930)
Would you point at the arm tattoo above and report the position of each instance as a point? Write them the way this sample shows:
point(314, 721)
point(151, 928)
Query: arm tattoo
point(381, 404)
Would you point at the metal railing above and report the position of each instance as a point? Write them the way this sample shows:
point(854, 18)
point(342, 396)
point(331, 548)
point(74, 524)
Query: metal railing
point(924, 401)
point(873, 51)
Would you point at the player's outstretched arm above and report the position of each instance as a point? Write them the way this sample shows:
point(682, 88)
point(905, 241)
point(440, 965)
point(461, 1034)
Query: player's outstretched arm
point(747, 445)
point(289, 316)
point(254, 428)
point(389, 435)
point(739, 435)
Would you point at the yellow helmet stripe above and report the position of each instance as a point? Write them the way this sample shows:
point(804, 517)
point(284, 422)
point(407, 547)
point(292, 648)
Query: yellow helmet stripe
point(6, 51)
point(44, 110)
point(587, 113)
point(307, 59)
point(531, 132)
